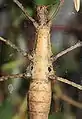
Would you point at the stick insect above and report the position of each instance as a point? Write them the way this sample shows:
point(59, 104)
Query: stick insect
point(39, 96)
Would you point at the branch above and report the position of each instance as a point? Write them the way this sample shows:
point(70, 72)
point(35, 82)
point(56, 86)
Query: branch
point(25, 13)
point(55, 9)
point(66, 81)
point(4, 78)
point(61, 95)
point(24, 53)
point(77, 45)
point(69, 100)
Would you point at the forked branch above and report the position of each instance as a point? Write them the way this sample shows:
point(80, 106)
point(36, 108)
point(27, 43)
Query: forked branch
point(77, 45)
point(66, 81)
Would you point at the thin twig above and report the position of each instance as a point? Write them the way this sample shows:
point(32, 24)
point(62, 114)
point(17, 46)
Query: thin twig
point(4, 78)
point(77, 45)
point(24, 53)
point(26, 14)
point(69, 100)
point(56, 11)
point(66, 81)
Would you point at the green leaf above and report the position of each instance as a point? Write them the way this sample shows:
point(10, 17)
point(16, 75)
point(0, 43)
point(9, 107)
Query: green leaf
point(12, 64)
point(6, 111)
point(56, 116)
point(44, 2)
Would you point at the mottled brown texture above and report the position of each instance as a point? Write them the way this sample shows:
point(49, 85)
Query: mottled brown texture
point(40, 87)
point(42, 14)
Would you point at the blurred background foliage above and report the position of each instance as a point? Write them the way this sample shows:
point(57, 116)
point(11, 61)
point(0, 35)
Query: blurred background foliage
point(15, 27)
